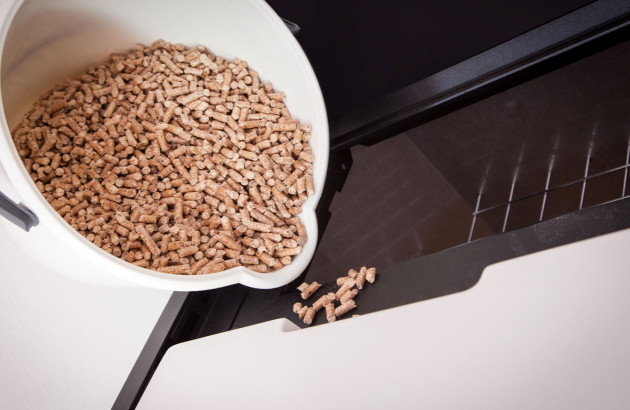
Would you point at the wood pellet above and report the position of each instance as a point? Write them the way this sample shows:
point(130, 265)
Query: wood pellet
point(173, 159)
point(349, 287)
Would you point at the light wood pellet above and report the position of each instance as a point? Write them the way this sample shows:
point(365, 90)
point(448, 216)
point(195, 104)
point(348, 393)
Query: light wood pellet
point(173, 159)
point(330, 313)
point(360, 278)
point(323, 301)
point(348, 295)
point(308, 317)
point(345, 308)
point(349, 287)
point(345, 287)
point(370, 275)
point(309, 290)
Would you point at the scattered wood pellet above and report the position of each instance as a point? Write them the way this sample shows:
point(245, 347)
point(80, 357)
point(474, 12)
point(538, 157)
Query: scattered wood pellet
point(323, 301)
point(345, 308)
point(302, 312)
point(310, 289)
point(349, 287)
point(348, 295)
point(370, 275)
point(308, 317)
point(360, 278)
point(173, 159)
point(330, 313)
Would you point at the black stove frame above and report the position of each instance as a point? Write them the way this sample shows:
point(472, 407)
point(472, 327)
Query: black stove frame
point(593, 28)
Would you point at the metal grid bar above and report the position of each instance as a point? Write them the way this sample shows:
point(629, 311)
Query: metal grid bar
point(625, 174)
point(577, 181)
point(588, 163)
point(544, 202)
point(472, 226)
point(583, 181)
point(509, 203)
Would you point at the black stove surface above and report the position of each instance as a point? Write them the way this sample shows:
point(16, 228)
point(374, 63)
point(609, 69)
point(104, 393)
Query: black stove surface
point(361, 50)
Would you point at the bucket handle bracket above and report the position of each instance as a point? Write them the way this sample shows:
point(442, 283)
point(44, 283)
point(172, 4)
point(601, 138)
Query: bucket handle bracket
point(19, 214)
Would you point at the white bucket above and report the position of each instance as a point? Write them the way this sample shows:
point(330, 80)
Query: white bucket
point(44, 41)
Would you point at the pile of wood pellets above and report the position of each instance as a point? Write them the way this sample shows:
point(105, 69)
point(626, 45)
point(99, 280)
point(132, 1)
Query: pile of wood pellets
point(349, 287)
point(173, 159)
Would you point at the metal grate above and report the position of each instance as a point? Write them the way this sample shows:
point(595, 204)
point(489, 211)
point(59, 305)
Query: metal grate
point(583, 181)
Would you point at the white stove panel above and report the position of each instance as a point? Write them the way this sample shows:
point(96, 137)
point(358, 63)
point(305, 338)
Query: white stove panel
point(544, 331)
